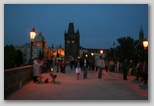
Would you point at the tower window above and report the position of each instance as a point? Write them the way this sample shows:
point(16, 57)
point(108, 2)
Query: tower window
point(68, 41)
point(73, 41)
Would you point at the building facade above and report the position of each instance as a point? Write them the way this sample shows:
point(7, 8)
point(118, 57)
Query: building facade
point(39, 46)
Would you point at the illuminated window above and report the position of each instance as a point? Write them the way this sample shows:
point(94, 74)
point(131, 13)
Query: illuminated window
point(68, 41)
point(73, 41)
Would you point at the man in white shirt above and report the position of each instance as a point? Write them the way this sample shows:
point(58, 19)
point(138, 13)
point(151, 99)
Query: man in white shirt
point(101, 65)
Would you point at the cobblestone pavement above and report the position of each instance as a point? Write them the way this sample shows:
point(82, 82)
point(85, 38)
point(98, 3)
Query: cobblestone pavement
point(67, 87)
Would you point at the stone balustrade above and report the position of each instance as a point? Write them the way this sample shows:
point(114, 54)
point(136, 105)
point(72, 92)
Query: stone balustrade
point(16, 78)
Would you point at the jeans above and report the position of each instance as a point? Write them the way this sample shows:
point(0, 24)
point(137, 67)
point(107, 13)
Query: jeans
point(100, 72)
point(85, 72)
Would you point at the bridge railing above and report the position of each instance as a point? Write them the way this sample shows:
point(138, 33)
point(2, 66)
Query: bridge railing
point(16, 78)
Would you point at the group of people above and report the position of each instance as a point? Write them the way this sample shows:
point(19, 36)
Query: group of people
point(141, 70)
point(40, 66)
point(126, 68)
point(82, 65)
point(61, 65)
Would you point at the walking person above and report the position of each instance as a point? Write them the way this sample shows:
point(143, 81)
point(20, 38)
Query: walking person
point(85, 64)
point(63, 66)
point(107, 65)
point(139, 68)
point(78, 66)
point(58, 65)
point(96, 65)
point(71, 62)
point(125, 69)
point(101, 66)
point(118, 66)
point(145, 72)
point(130, 67)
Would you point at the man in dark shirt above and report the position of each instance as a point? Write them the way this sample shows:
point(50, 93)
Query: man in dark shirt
point(125, 69)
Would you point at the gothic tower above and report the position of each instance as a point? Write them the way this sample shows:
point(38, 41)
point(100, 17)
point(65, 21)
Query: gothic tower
point(72, 42)
point(141, 34)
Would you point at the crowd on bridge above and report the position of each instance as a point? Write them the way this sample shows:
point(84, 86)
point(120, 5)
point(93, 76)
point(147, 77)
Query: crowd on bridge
point(84, 65)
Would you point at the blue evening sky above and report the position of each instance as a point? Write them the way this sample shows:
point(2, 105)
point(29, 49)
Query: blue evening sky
point(99, 24)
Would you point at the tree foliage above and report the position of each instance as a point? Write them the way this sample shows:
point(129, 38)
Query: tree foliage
point(125, 48)
point(12, 57)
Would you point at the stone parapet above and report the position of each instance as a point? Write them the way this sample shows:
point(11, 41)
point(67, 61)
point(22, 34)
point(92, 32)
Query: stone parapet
point(16, 78)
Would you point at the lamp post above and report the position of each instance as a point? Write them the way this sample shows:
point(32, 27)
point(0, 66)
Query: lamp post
point(101, 52)
point(43, 48)
point(145, 45)
point(32, 37)
point(92, 53)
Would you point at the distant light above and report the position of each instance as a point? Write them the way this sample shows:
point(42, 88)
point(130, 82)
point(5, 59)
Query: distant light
point(92, 54)
point(101, 51)
point(52, 69)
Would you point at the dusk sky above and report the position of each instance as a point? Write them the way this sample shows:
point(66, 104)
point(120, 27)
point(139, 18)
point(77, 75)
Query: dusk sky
point(99, 24)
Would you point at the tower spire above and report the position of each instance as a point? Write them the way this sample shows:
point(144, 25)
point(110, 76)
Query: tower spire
point(141, 34)
point(71, 28)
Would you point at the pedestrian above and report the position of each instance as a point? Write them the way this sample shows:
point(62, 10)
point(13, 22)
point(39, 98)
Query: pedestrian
point(115, 66)
point(118, 66)
point(71, 62)
point(63, 66)
point(85, 64)
point(78, 66)
point(111, 66)
point(125, 69)
point(139, 69)
point(107, 65)
point(36, 69)
point(145, 72)
point(101, 66)
point(130, 67)
point(58, 65)
point(96, 65)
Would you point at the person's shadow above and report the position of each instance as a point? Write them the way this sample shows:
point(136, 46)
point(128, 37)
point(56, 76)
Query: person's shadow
point(136, 81)
point(57, 83)
point(143, 87)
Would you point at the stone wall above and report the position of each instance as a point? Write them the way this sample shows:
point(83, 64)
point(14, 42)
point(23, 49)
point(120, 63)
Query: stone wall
point(16, 78)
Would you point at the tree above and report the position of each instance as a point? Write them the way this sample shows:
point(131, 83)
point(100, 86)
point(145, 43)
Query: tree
point(9, 56)
point(125, 48)
point(139, 50)
point(19, 59)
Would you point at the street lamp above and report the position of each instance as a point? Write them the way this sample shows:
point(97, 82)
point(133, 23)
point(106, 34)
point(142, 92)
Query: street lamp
point(32, 37)
point(92, 53)
point(43, 44)
point(101, 52)
point(145, 44)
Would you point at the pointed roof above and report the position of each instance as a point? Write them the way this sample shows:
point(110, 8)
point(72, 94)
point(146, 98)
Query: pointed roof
point(141, 34)
point(71, 28)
